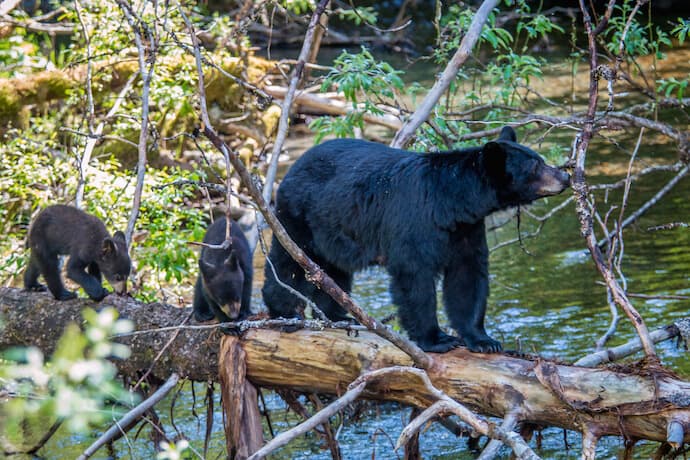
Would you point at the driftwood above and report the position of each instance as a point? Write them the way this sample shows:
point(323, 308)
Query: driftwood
point(635, 402)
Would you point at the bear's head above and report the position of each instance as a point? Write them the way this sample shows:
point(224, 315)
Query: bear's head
point(517, 173)
point(114, 262)
point(223, 282)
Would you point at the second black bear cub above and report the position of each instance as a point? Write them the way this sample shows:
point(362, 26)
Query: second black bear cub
point(65, 230)
point(224, 286)
point(351, 203)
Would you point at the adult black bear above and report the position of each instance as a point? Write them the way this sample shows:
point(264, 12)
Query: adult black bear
point(351, 204)
point(223, 288)
point(65, 230)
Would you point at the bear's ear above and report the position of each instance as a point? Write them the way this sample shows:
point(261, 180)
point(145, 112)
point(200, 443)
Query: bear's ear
point(494, 159)
point(507, 134)
point(232, 262)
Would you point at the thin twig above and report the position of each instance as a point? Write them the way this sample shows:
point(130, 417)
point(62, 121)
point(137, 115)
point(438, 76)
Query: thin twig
point(317, 419)
point(449, 405)
point(579, 186)
point(447, 77)
point(135, 23)
point(286, 105)
point(131, 416)
point(626, 349)
point(160, 353)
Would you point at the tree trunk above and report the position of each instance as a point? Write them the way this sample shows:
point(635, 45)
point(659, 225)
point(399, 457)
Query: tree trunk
point(635, 402)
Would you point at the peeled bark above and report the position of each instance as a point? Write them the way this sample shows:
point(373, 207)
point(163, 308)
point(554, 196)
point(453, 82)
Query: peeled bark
point(638, 402)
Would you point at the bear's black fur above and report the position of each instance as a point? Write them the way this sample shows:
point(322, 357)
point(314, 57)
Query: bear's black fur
point(223, 288)
point(65, 230)
point(351, 204)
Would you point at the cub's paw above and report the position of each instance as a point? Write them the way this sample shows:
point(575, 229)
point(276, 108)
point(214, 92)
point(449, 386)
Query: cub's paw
point(37, 288)
point(66, 295)
point(483, 344)
point(203, 317)
point(99, 295)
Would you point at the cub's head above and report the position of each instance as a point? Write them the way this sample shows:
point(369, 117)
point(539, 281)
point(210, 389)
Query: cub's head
point(518, 174)
point(114, 262)
point(223, 282)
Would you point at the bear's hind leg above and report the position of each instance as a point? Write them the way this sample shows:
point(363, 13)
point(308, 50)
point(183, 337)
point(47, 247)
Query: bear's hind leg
point(31, 274)
point(325, 302)
point(465, 290)
point(415, 296)
point(279, 300)
point(50, 268)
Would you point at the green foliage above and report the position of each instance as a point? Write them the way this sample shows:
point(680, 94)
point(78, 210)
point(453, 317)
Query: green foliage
point(365, 82)
point(640, 39)
point(682, 30)
point(358, 15)
point(297, 6)
point(78, 385)
point(667, 86)
point(457, 22)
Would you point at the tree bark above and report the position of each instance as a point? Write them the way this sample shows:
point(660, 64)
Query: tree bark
point(37, 319)
point(636, 402)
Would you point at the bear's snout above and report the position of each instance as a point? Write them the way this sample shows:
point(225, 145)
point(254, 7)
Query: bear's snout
point(553, 182)
point(231, 309)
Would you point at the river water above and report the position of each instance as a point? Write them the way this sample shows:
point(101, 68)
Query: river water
point(545, 296)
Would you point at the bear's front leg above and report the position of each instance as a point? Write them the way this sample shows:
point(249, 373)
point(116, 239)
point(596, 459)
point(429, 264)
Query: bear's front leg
point(466, 289)
point(415, 296)
point(76, 271)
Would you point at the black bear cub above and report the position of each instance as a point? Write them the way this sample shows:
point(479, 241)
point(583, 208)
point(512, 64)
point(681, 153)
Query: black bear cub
point(351, 204)
point(224, 286)
point(65, 230)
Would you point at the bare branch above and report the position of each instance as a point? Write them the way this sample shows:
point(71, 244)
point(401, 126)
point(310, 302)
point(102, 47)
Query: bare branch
point(146, 75)
point(131, 416)
point(288, 99)
point(579, 186)
point(627, 349)
point(448, 75)
point(312, 422)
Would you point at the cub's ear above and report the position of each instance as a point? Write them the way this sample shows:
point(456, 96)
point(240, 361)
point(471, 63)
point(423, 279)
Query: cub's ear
point(109, 247)
point(232, 262)
point(119, 236)
point(507, 134)
point(494, 159)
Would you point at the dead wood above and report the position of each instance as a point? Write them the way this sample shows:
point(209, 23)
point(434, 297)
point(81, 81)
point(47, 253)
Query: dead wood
point(37, 319)
point(642, 403)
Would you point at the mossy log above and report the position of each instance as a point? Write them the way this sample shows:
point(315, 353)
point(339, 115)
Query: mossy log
point(109, 76)
point(634, 402)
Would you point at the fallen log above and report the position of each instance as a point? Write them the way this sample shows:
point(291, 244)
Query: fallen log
point(37, 319)
point(318, 104)
point(637, 402)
